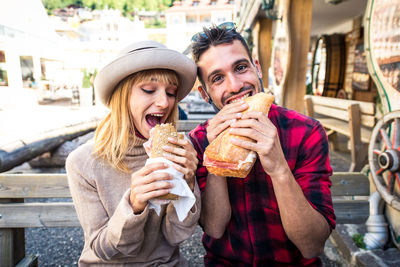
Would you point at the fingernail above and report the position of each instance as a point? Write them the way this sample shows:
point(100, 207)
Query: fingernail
point(238, 115)
point(171, 139)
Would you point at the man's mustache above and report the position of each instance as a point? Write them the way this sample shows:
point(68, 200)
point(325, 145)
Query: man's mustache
point(243, 89)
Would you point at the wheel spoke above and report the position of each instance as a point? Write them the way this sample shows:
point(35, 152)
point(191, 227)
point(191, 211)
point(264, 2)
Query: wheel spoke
point(385, 138)
point(377, 152)
point(378, 172)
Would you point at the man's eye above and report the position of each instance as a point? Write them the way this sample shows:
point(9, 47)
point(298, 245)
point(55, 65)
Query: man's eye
point(241, 67)
point(217, 78)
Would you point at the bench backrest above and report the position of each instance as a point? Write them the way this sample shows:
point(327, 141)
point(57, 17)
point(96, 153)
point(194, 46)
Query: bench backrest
point(347, 188)
point(15, 188)
point(339, 108)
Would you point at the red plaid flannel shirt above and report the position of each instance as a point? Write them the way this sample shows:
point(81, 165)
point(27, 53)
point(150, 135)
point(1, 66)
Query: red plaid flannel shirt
point(255, 235)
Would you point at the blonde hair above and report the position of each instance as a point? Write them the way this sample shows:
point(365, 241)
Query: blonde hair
point(116, 133)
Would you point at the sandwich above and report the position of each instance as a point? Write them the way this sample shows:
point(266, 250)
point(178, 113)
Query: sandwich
point(160, 138)
point(223, 158)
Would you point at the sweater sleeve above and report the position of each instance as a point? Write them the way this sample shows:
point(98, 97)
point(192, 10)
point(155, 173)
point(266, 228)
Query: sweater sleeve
point(175, 231)
point(112, 237)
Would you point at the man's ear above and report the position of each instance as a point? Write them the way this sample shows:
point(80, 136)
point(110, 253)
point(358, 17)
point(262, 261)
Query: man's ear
point(203, 93)
point(258, 68)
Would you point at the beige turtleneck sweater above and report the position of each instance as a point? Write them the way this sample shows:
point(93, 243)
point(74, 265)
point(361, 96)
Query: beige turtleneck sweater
point(114, 235)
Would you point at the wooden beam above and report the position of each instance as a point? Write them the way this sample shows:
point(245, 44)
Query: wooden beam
point(187, 125)
point(19, 152)
point(351, 211)
point(300, 15)
point(349, 184)
point(38, 185)
point(265, 47)
point(23, 215)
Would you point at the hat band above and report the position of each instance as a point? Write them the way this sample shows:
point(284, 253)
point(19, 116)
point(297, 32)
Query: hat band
point(142, 48)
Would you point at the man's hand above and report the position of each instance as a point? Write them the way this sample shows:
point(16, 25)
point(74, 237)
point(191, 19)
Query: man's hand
point(265, 141)
point(224, 118)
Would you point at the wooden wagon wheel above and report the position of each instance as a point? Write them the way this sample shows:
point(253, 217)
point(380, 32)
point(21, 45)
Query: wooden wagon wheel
point(384, 158)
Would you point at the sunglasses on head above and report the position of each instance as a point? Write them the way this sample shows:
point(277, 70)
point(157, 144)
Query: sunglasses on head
point(226, 25)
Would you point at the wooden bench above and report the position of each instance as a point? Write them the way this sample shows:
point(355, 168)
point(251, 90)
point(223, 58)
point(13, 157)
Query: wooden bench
point(354, 119)
point(16, 214)
point(20, 208)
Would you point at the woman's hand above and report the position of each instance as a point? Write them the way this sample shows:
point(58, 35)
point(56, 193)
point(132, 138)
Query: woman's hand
point(184, 158)
point(147, 184)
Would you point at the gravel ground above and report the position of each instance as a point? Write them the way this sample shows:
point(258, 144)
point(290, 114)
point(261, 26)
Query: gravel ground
point(62, 246)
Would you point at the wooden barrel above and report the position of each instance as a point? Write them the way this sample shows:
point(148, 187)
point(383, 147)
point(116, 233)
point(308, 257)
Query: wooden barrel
point(328, 65)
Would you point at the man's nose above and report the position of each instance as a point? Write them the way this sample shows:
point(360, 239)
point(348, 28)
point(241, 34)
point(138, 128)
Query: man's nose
point(234, 84)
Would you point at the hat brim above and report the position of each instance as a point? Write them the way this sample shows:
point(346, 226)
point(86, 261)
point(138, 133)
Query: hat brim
point(155, 58)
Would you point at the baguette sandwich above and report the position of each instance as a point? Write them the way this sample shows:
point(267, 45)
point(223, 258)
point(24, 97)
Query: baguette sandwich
point(223, 158)
point(160, 138)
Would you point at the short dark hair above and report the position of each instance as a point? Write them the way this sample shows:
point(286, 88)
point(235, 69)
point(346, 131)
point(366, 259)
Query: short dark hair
point(214, 36)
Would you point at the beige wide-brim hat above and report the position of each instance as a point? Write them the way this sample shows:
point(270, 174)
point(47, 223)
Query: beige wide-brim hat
point(140, 56)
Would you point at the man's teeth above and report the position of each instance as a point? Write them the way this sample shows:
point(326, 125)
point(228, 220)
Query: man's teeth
point(240, 98)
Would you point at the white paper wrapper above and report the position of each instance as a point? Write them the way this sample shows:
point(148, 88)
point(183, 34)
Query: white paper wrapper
point(181, 188)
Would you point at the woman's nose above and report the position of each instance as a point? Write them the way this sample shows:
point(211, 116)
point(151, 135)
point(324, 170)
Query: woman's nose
point(162, 100)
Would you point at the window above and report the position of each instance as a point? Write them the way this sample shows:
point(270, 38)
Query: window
point(191, 19)
point(205, 19)
point(196, 3)
point(3, 71)
point(27, 70)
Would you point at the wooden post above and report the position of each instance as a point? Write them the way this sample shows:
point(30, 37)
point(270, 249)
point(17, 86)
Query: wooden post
point(6, 247)
point(300, 14)
point(264, 47)
point(355, 135)
point(12, 242)
point(309, 109)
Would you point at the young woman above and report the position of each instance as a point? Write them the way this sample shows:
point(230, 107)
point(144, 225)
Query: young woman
point(109, 182)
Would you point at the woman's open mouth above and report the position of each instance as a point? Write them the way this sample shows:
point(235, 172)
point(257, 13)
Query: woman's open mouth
point(154, 119)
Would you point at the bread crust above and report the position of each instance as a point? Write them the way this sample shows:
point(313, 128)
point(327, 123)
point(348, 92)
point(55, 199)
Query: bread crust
point(222, 150)
point(160, 138)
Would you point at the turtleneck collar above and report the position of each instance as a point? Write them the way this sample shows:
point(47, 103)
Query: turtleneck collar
point(136, 148)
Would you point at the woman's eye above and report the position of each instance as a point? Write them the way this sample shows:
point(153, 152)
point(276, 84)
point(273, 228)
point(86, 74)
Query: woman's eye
point(147, 91)
point(171, 94)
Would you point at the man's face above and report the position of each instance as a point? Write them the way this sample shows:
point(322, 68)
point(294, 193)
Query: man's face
point(228, 73)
